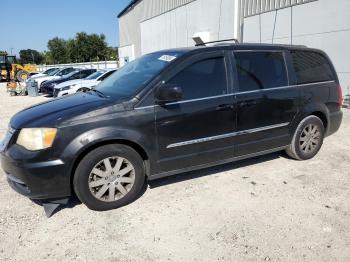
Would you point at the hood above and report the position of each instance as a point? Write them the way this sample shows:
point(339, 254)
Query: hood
point(37, 76)
point(54, 112)
point(79, 82)
point(47, 78)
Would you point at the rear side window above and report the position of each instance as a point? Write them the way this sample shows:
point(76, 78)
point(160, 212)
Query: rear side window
point(260, 70)
point(311, 67)
point(202, 79)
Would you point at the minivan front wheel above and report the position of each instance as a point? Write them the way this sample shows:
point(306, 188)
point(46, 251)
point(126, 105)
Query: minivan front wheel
point(307, 139)
point(109, 177)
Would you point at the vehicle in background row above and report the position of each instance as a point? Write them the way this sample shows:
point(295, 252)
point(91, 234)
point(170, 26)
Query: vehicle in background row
point(52, 76)
point(83, 85)
point(47, 87)
point(170, 112)
point(45, 73)
point(49, 73)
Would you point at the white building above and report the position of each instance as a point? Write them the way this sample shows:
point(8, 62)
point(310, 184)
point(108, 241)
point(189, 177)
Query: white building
point(150, 25)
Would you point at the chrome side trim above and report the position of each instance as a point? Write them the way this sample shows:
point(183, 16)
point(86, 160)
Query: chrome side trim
point(187, 101)
point(238, 93)
point(211, 138)
point(199, 99)
point(316, 83)
point(284, 87)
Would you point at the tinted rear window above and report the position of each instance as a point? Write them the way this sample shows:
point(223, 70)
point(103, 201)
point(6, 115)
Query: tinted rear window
point(311, 67)
point(260, 70)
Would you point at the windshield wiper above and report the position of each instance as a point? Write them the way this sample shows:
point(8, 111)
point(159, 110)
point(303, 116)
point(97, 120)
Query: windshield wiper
point(98, 92)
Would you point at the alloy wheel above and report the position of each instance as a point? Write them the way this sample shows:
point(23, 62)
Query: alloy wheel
point(309, 139)
point(111, 179)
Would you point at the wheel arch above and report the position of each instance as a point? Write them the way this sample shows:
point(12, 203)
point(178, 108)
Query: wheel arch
point(317, 109)
point(321, 115)
point(137, 147)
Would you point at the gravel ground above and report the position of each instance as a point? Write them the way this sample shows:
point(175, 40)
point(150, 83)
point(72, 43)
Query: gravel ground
point(268, 208)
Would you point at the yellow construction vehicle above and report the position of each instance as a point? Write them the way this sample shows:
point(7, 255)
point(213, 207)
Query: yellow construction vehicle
point(10, 70)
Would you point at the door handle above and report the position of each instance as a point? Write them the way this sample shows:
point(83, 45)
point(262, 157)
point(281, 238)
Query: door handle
point(224, 107)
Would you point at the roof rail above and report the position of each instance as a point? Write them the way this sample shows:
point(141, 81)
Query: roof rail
point(219, 41)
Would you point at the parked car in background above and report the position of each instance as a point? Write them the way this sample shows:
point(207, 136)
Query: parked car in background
point(47, 87)
point(50, 71)
point(56, 75)
point(71, 87)
point(170, 112)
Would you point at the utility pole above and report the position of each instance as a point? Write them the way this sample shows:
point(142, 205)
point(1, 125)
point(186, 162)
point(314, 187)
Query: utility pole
point(11, 50)
point(33, 58)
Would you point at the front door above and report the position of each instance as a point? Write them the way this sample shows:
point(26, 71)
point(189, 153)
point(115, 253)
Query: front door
point(195, 130)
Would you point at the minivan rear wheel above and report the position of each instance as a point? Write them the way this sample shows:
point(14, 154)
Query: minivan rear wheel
point(307, 139)
point(109, 177)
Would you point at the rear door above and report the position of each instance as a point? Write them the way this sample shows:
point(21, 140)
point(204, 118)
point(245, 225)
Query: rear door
point(266, 103)
point(196, 130)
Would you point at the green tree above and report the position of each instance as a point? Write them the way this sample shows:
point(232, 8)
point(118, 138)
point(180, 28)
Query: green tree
point(82, 48)
point(112, 53)
point(48, 58)
point(86, 48)
point(30, 56)
point(58, 49)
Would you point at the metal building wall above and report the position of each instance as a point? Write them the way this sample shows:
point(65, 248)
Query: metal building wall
point(322, 24)
point(254, 7)
point(175, 28)
point(129, 23)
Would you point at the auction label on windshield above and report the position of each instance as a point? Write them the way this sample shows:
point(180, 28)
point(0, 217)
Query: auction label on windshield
point(167, 58)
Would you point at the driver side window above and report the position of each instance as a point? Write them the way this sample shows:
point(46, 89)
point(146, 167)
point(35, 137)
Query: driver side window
point(201, 79)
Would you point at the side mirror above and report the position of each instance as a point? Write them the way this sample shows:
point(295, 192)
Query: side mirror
point(168, 93)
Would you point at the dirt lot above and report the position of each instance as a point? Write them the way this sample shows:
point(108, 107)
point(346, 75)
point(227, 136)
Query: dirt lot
point(269, 208)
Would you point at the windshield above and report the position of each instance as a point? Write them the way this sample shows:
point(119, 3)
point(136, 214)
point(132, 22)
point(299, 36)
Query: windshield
point(94, 76)
point(2, 59)
point(130, 78)
point(48, 71)
point(70, 74)
point(11, 59)
point(53, 72)
point(65, 71)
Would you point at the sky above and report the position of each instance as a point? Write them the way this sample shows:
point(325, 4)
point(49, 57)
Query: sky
point(40, 20)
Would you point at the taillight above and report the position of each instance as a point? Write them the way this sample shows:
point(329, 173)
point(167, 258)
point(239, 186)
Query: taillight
point(340, 97)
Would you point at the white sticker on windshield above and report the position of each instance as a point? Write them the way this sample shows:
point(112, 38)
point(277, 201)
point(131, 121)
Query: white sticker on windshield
point(167, 58)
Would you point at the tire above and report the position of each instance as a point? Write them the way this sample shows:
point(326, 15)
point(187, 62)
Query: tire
point(307, 139)
point(22, 75)
point(93, 176)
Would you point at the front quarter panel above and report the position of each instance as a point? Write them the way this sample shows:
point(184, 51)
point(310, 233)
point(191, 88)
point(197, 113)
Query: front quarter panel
point(134, 126)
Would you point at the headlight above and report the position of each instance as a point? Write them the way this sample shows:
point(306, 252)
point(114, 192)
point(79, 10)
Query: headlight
point(66, 88)
point(36, 138)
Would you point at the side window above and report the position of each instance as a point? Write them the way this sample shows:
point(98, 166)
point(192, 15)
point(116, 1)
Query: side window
point(260, 70)
point(85, 73)
point(311, 67)
point(202, 79)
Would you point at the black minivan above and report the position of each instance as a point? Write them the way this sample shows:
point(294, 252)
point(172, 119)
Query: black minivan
point(169, 112)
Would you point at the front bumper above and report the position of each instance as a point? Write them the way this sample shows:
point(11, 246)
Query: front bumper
point(47, 90)
point(35, 179)
point(56, 92)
